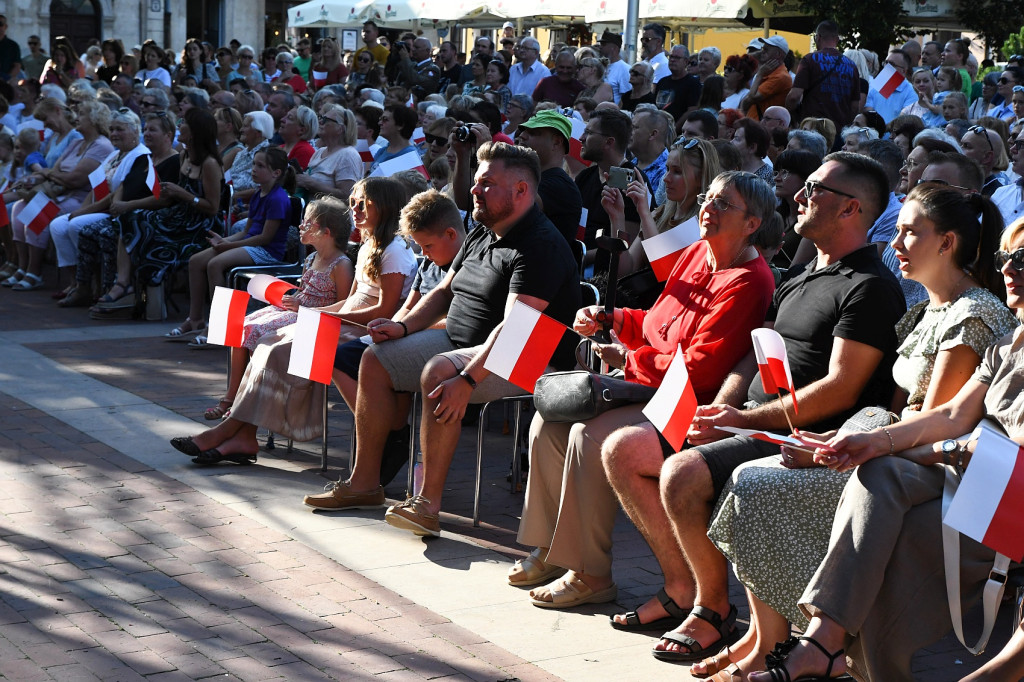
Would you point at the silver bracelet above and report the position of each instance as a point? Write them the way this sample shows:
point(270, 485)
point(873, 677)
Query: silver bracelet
point(892, 443)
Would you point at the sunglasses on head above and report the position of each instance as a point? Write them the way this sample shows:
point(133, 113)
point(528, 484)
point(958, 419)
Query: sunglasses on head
point(1015, 259)
point(979, 130)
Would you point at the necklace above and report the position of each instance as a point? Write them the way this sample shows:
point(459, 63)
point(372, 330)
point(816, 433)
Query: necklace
point(737, 259)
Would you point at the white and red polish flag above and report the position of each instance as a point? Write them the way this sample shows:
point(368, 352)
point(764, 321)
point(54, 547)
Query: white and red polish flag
point(227, 177)
point(269, 289)
point(100, 186)
point(989, 504)
point(319, 79)
point(227, 317)
point(314, 346)
point(576, 143)
point(152, 179)
point(524, 347)
point(365, 153)
point(663, 249)
point(770, 437)
point(673, 406)
point(772, 362)
point(38, 213)
point(887, 80)
point(581, 229)
point(418, 136)
point(407, 161)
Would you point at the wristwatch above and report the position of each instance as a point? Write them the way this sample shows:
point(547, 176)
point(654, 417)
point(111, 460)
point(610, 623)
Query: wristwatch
point(951, 447)
point(470, 380)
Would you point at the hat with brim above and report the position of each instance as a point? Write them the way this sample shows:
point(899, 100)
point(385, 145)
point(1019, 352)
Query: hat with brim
point(775, 41)
point(549, 118)
point(609, 37)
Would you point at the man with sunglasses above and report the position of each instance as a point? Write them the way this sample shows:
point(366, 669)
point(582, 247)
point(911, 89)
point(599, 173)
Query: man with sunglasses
point(979, 144)
point(34, 62)
point(305, 59)
point(837, 317)
point(678, 93)
point(1010, 198)
point(652, 49)
point(1011, 77)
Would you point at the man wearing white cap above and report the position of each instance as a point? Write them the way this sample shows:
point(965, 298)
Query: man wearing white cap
point(771, 81)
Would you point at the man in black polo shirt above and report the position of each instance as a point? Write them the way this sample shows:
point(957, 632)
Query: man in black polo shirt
point(548, 133)
point(514, 254)
point(838, 320)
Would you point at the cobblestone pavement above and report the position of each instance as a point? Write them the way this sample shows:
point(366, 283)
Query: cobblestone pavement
point(120, 561)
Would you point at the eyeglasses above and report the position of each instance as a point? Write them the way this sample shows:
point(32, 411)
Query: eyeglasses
point(637, 73)
point(684, 143)
point(780, 174)
point(979, 130)
point(812, 185)
point(150, 103)
point(358, 204)
point(1016, 144)
point(939, 181)
point(1004, 80)
point(125, 110)
point(1015, 259)
point(245, 56)
point(720, 205)
point(587, 133)
point(692, 62)
point(435, 139)
point(325, 119)
point(646, 40)
point(728, 69)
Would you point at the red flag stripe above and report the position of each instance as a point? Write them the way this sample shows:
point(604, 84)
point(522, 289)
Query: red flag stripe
point(5, 219)
point(276, 290)
point(1007, 525)
point(322, 367)
point(236, 321)
point(677, 427)
point(537, 352)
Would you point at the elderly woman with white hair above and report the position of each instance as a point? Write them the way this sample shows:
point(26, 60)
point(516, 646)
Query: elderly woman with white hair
point(591, 73)
point(52, 113)
point(257, 129)
point(855, 136)
point(67, 184)
point(336, 165)
point(124, 175)
point(641, 78)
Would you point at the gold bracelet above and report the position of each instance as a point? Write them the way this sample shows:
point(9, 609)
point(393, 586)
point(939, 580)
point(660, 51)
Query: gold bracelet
point(892, 443)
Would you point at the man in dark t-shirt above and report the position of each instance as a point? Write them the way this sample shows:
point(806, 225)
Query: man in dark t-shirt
point(548, 133)
point(837, 319)
point(10, 54)
point(515, 255)
point(678, 92)
point(827, 84)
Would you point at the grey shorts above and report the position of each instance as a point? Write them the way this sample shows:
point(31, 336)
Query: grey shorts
point(405, 358)
point(723, 456)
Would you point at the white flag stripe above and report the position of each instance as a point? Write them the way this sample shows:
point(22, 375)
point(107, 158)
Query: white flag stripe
point(407, 161)
point(218, 328)
point(796, 442)
point(577, 128)
point(772, 346)
point(513, 337)
point(983, 485)
point(97, 176)
point(672, 241)
point(304, 343)
point(663, 405)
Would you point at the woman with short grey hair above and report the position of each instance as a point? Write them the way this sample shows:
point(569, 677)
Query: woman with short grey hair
point(336, 165)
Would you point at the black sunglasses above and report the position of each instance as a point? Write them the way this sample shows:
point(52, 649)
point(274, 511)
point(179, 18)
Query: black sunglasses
point(980, 130)
point(1004, 80)
point(1015, 259)
point(811, 185)
point(434, 139)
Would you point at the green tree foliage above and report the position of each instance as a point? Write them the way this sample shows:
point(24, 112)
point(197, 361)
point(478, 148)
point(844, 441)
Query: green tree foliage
point(873, 24)
point(1014, 44)
point(995, 20)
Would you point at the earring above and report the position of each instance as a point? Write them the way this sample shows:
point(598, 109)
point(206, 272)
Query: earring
point(941, 251)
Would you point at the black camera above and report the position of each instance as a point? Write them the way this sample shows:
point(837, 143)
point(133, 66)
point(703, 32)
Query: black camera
point(463, 133)
point(399, 45)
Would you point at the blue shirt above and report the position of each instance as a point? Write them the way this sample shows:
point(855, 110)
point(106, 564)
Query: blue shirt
point(524, 83)
point(890, 108)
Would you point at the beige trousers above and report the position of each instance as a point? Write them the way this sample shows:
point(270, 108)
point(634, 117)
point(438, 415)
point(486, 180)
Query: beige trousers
point(570, 507)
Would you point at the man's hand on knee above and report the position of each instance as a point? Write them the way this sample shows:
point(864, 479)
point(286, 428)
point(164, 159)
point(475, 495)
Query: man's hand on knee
point(452, 396)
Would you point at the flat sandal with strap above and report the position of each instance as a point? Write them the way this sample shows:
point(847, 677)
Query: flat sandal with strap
point(727, 631)
point(676, 615)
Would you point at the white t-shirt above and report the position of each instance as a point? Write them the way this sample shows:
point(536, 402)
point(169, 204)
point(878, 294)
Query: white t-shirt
point(733, 100)
point(617, 76)
point(398, 258)
point(343, 164)
point(659, 63)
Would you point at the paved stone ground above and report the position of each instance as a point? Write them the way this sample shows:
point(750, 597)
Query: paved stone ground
point(112, 567)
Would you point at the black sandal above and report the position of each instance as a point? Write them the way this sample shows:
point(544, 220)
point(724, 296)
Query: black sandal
point(633, 623)
point(214, 456)
point(776, 661)
point(727, 630)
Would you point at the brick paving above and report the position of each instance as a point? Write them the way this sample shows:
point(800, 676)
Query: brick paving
point(112, 569)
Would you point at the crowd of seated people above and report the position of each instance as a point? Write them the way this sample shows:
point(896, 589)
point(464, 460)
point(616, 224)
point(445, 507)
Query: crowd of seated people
point(881, 234)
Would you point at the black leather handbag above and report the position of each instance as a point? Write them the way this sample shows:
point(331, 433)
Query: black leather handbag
point(569, 397)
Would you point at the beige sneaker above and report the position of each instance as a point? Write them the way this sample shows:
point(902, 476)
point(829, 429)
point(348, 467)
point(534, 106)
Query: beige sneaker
point(340, 495)
point(413, 515)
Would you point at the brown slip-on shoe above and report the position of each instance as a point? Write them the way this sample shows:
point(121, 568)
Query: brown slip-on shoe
point(341, 496)
point(413, 515)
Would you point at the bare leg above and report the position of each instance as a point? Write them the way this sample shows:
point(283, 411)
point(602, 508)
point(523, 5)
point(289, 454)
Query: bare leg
point(35, 260)
point(376, 406)
point(242, 442)
point(22, 249)
point(806, 659)
point(216, 435)
point(633, 460)
point(766, 628)
point(218, 267)
point(438, 441)
point(687, 494)
point(239, 359)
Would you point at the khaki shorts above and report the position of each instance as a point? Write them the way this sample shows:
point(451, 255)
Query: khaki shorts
point(405, 358)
